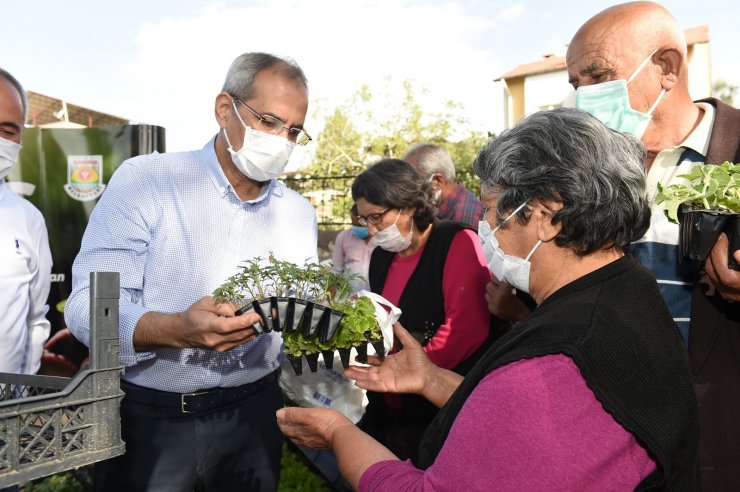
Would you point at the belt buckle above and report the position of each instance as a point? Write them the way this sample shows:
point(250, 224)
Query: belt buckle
point(183, 402)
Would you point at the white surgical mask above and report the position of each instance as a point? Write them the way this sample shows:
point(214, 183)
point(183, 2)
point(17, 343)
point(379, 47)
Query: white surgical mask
point(506, 268)
point(610, 103)
point(391, 239)
point(263, 156)
point(8, 156)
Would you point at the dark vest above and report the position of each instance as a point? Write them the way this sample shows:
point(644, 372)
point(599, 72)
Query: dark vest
point(640, 376)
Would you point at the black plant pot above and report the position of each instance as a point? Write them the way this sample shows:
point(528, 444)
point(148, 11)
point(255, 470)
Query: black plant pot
point(698, 231)
point(344, 354)
point(328, 356)
point(328, 324)
point(278, 312)
point(379, 348)
point(313, 361)
point(310, 320)
point(262, 326)
point(296, 362)
point(294, 314)
point(362, 353)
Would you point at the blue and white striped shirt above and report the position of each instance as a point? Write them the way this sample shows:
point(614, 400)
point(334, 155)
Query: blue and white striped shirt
point(174, 228)
point(658, 249)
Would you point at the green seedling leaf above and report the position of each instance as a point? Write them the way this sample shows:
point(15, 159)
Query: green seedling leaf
point(708, 186)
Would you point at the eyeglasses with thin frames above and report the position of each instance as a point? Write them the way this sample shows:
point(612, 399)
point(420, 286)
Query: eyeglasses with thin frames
point(373, 219)
point(275, 126)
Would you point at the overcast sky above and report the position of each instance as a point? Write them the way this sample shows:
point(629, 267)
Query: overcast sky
point(163, 62)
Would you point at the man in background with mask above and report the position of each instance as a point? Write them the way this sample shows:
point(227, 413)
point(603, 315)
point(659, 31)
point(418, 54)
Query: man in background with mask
point(25, 258)
point(455, 201)
point(629, 67)
point(201, 388)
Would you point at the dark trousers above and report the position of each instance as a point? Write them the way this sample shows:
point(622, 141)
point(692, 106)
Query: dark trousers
point(234, 447)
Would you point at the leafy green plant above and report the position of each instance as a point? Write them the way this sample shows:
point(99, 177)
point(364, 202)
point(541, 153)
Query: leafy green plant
point(296, 476)
point(258, 278)
point(710, 187)
point(63, 482)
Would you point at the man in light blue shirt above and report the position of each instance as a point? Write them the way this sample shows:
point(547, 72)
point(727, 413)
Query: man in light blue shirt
point(201, 390)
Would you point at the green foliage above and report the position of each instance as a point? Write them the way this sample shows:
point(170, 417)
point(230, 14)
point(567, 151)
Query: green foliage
point(710, 187)
point(355, 135)
point(258, 278)
point(295, 476)
point(357, 327)
point(724, 91)
point(63, 482)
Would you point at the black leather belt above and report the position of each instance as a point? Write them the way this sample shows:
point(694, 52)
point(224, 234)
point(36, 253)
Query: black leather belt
point(198, 401)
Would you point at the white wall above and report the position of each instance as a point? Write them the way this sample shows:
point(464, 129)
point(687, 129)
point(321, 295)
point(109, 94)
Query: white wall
point(545, 91)
point(700, 72)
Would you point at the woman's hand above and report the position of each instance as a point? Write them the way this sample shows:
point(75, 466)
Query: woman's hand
point(402, 372)
point(407, 371)
point(312, 427)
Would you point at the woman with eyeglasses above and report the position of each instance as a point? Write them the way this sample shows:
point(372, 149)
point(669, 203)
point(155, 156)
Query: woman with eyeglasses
point(436, 273)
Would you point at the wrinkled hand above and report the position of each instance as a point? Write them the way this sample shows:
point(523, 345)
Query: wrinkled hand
point(312, 427)
point(725, 279)
point(503, 302)
point(403, 372)
point(211, 325)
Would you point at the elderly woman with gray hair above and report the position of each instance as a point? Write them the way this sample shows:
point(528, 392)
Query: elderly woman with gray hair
point(592, 391)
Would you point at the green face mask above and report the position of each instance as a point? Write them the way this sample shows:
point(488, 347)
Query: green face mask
point(610, 103)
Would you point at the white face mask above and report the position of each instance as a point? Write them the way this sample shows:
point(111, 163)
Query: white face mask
point(610, 103)
point(263, 156)
point(8, 156)
point(391, 239)
point(506, 268)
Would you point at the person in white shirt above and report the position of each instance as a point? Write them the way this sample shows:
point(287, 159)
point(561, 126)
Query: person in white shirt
point(25, 258)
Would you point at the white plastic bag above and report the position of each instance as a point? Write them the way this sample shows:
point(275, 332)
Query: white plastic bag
point(328, 388)
point(387, 314)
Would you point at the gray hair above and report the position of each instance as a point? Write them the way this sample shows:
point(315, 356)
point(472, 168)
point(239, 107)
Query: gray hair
point(568, 156)
point(429, 159)
point(394, 183)
point(24, 97)
point(244, 69)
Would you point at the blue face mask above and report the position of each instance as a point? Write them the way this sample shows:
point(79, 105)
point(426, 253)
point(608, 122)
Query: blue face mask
point(610, 103)
point(360, 231)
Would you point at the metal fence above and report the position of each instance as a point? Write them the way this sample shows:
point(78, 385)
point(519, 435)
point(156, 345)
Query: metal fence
point(331, 196)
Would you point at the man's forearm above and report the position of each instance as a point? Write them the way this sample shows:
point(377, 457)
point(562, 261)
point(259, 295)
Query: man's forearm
point(157, 330)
